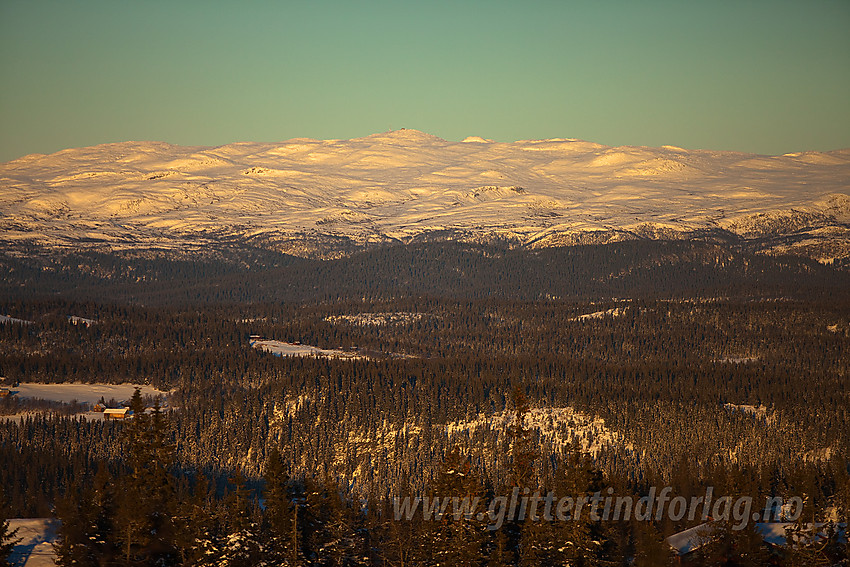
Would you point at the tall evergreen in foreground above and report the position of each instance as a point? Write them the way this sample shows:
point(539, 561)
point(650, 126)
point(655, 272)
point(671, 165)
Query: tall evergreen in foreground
point(148, 503)
point(129, 519)
point(281, 512)
point(8, 538)
point(87, 534)
point(457, 538)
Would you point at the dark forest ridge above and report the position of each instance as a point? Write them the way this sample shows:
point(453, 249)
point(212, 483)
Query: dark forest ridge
point(233, 273)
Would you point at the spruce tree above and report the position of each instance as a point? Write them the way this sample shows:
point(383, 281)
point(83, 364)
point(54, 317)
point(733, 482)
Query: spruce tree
point(650, 549)
point(84, 535)
point(578, 478)
point(457, 537)
point(148, 502)
point(241, 546)
point(200, 543)
point(522, 451)
point(279, 506)
point(518, 536)
point(344, 539)
point(8, 539)
point(401, 540)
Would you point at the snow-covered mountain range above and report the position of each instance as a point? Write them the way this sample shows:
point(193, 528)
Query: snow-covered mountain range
point(312, 196)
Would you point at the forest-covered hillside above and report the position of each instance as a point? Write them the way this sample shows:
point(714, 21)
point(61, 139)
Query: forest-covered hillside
point(232, 273)
point(627, 366)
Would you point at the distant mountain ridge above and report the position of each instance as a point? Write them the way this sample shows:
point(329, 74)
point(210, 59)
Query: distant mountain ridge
point(327, 198)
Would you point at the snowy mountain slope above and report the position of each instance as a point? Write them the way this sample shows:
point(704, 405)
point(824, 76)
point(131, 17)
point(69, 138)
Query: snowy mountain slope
point(406, 185)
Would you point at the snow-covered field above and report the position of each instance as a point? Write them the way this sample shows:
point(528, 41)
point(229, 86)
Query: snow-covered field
point(90, 393)
point(36, 546)
point(280, 348)
point(397, 185)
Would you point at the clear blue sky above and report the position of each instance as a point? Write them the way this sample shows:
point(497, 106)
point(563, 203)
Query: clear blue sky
point(768, 76)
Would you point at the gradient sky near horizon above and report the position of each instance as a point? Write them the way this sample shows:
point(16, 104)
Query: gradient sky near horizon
point(765, 76)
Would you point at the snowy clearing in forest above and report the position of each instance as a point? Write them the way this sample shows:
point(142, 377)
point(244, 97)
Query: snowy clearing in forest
point(37, 536)
point(615, 312)
point(279, 348)
point(88, 393)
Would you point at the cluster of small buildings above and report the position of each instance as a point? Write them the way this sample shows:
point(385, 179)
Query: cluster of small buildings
point(110, 414)
point(6, 387)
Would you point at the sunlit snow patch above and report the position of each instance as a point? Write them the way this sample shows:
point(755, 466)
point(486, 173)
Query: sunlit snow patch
point(376, 319)
point(615, 312)
point(37, 536)
point(279, 348)
point(559, 427)
point(83, 393)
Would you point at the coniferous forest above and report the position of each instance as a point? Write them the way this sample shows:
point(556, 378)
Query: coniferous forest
point(465, 371)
